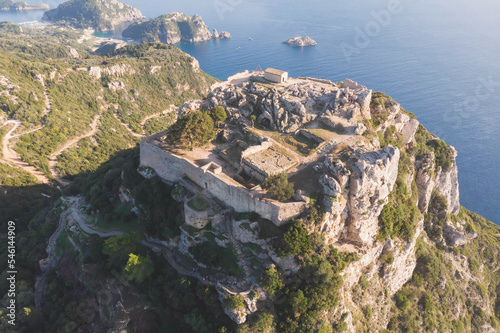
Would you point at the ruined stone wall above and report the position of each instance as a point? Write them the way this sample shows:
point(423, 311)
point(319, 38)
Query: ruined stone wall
point(173, 168)
point(257, 148)
point(198, 220)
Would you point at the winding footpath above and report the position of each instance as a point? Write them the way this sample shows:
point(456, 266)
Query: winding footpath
point(71, 214)
point(143, 122)
point(10, 156)
point(53, 157)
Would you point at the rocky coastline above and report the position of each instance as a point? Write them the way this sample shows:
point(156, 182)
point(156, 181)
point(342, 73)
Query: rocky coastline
point(300, 41)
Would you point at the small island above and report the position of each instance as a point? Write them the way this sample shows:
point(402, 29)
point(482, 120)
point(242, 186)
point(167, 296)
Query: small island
point(221, 35)
point(300, 41)
point(11, 6)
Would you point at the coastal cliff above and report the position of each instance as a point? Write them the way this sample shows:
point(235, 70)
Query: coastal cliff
point(101, 15)
point(385, 193)
point(171, 29)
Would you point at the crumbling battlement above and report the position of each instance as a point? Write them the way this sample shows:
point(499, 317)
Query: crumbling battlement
point(173, 168)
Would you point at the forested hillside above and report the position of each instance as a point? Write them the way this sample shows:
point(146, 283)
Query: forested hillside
point(77, 109)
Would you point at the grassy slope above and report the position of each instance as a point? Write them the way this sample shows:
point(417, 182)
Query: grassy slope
point(77, 97)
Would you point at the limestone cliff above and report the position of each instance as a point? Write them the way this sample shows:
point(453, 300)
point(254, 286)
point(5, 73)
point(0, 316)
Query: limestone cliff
point(101, 15)
point(392, 166)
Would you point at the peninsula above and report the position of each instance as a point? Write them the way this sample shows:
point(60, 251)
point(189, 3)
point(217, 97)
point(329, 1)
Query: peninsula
point(171, 29)
point(11, 6)
point(100, 15)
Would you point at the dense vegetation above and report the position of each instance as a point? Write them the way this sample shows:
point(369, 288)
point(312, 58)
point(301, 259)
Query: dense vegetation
point(77, 98)
point(95, 14)
point(278, 186)
point(299, 301)
point(445, 299)
point(162, 29)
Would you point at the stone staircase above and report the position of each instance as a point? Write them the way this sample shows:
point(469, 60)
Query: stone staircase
point(216, 204)
point(236, 246)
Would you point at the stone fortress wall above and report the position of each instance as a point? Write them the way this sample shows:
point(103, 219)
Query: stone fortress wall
point(173, 168)
point(194, 218)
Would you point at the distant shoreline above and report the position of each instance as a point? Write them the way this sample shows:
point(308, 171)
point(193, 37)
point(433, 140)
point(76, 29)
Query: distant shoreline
point(24, 8)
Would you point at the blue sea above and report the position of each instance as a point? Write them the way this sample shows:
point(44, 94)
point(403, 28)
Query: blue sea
point(439, 59)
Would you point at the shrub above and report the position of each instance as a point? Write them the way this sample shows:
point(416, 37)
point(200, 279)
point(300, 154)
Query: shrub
point(296, 240)
point(279, 186)
point(387, 257)
point(139, 268)
point(401, 300)
point(218, 114)
point(118, 248)
point(271, 280)
point(399, 217)
point(234, 301)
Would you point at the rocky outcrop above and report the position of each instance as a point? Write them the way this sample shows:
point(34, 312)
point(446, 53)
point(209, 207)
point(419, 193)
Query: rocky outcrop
point(452, 236)
point(288, 109)
point(447, 185)
point(224, 35)
point(170, 29)
point(101, 15)
point(115, 70)
point(109, 47)
point(331, 187)
point(400, 271)
point(425, 181)
point(250, 298)
point(360, 94)
point(300, 41)
point(373, 177)
point(429, 179)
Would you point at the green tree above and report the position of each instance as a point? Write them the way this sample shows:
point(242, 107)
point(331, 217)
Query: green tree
point(279, 186)
point(252, 119)
point(193, 130)
point(296, 240)
point(196, 322)
point(272, 280)
point(117, 248)
point(218, 114)
point(262, 322)
point(139, 268)
point(234, 301)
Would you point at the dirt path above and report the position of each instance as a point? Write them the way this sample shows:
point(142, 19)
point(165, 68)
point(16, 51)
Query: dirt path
point(47, 108)
point(53, 157)
point(12, 157)
point(71, 214)
point(74, 214)
point(127, 126)
point(143, 122)
point(158, 114)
